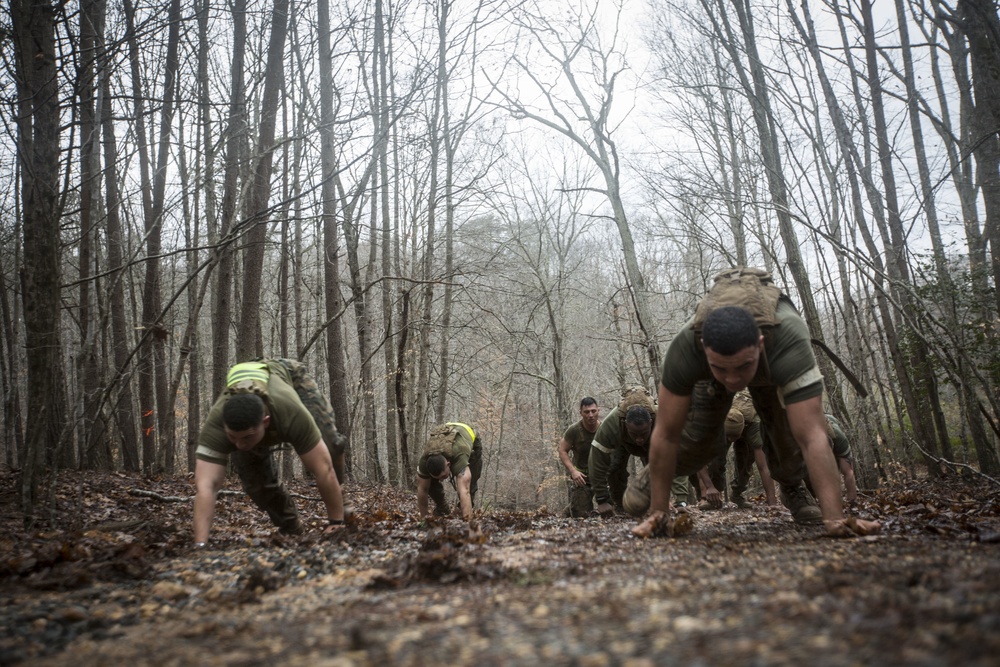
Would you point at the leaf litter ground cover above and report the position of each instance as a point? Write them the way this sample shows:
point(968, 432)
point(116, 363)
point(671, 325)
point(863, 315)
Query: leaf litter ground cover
point(114, 580)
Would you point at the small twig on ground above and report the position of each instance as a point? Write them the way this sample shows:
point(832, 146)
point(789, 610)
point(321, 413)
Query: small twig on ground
point(173, 499)
point(952, 464)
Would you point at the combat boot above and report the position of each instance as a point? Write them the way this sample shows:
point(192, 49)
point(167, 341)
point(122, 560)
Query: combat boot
point(803, 506)
point(740, 501)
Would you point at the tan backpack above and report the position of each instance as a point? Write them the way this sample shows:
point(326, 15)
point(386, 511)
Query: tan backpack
point(250, 377)
point(633, 396)
point(441, 440)
point(749, 288)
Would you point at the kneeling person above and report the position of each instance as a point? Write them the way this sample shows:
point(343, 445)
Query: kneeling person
point(453, 452)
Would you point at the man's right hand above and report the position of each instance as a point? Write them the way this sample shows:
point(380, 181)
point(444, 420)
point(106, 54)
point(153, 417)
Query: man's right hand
point(605, 509)
point(713, 497)
point(652, 525)
point(579, 478)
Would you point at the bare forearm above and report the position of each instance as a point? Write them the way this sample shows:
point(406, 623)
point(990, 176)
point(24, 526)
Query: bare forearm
point(465, 500)
point(662, 467)
point(825, 477)
point(204, 512)
point(705, 480)
point(565, 459)
point(329, 490)
point(421, 501)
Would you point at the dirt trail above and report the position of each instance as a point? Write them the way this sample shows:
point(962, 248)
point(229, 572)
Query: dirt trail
point(746, 587)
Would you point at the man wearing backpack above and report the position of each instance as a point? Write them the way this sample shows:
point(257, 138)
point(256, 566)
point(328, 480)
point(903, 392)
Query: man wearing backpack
point(266, 403)
point(746, 334)
point(623, 433)
point(453, 452)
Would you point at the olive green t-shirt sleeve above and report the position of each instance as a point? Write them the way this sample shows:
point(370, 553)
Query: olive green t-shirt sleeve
point(839, 442)
point(213, 445)
point(791, 358)
point(685, 363)
point(461, 450)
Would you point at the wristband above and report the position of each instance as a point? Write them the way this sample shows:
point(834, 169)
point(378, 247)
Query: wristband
point(199, 545)
point(336, 522)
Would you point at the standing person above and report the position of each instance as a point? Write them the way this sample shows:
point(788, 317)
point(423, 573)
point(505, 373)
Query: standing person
point(724, 345)
point(266, 403)
point(574, 452)
point(453, 452)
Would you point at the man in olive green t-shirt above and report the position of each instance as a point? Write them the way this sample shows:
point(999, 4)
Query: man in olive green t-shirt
point(453, 452)
point(730, 354)
point(574, 450)
point(266, 403)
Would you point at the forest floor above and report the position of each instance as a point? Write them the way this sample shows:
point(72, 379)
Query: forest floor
point(115, 581)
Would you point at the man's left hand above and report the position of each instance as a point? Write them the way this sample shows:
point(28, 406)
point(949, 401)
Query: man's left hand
point(851, 526)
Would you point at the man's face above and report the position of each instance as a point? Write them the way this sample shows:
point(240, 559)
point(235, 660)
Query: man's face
point(639, 434)
point(735, 371)
point(589, 413)
point(250, 438)
point(446, 472)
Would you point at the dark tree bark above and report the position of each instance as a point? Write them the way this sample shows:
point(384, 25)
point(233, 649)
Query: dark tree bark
point(336, 365)
point(120, 383)
point(236, 132)
point(95, 453)
point(248, 336)
point(38, 153)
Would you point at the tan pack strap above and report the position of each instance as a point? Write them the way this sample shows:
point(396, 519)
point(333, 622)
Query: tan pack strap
point(468, 429)
point(250, 370)
point(858, 387)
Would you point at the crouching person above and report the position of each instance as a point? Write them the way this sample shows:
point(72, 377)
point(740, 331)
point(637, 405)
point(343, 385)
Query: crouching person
point(267, 403)
point(454, 453)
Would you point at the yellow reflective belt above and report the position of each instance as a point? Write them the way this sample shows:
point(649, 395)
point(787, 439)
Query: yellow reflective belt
point(472, 434)
point(250, 370)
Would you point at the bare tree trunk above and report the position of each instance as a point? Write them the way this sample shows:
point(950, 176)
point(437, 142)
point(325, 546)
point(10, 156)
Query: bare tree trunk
point(980, 23)
point(95, 451)
point(383, 54)
point(248, 335)
point(443, 91)
point(923, 419)
point(124, 402)
point(38, 143)
point(857, 177)
point(151, 368)
point(236, 138)
point(13, 424)
point(336, 366)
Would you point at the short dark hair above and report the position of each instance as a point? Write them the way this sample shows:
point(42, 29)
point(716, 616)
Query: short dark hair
point(243, 411)
point(587, 400)
point(729, 329)
point(435, 464)
point(638, 415)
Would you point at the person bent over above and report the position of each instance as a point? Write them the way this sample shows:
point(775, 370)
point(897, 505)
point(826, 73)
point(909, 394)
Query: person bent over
point(453, 452)
point(724, 346)
point(266, 403)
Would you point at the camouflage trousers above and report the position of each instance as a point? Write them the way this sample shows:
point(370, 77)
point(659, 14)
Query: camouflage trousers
point(581, 500)
point(744, 446)
point(257, 471)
